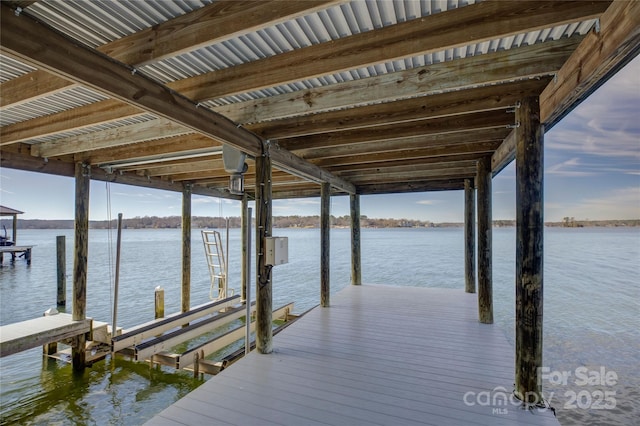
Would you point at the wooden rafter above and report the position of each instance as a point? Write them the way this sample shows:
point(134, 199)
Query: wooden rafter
point(15, 160)
point(599, 55)
point(459, 27)
point(526, 62)
point(34, 43)
point(146, 130)
point(478, 148)
point(443, 125)
point(159, 149)
point(486, 98)
point(211, 24)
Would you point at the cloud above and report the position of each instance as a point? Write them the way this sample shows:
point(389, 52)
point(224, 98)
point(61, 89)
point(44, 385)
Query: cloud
point(578, 167)
point(623, 203)
point(429, 202)
point(607, 123)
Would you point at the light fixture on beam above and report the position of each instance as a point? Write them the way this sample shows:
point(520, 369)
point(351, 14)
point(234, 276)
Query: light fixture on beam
point(234, 163)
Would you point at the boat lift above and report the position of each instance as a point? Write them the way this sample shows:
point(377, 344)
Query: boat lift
point(217, 264)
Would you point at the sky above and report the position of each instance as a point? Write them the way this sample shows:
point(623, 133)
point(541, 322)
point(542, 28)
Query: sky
point(592, 171)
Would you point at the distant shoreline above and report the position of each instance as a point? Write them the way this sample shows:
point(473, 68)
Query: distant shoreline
point(174, 222)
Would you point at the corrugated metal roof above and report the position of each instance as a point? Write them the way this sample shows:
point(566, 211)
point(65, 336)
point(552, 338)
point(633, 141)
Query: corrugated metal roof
point(91, 129)
point(10, 68)
point(96, 23)
point(59, 102)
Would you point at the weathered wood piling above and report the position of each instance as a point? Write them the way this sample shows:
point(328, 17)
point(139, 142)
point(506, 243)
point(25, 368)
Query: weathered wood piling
point(80, 264)
point(61, 269)
point(264, 334)
point(529, 250)
point(469, 236)
point(485, 292)
point(325, 244)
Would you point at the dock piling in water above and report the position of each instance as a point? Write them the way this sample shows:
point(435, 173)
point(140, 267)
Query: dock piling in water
point(159, 304)
point(61, 256)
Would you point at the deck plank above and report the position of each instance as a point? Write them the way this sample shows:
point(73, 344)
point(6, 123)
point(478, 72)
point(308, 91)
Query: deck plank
point(20, 336)
point(379, 355)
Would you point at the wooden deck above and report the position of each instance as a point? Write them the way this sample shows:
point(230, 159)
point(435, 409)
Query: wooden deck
point(378, 355)
point(14, 251)
point(20, 336)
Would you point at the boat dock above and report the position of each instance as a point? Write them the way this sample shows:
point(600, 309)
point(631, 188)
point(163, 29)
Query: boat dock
point(22, 251)
point(40, 331)
point(377, 355)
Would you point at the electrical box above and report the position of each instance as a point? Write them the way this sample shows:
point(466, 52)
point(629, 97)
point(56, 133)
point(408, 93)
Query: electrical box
point(277, 250)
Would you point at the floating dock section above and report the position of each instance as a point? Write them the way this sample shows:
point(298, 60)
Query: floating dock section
point(377, 355)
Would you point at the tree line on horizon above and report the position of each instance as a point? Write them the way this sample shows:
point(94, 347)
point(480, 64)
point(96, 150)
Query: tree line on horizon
point(207, 222)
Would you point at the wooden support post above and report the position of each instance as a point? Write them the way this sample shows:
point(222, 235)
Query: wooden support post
point(356, 257)
point(469, 236)
point(244, 231)
point(485, 292)
point(61, 262)
point(159, 302)
point(14, 236)
point(186, 248)
point(529, 250)
point(80, 264)
point(325, 243)
point(264, 302)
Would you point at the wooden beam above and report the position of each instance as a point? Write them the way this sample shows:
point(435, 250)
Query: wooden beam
point(33, 42)
point(165, 148)
point(463, 149)
point(31, 87)
point(185, 298)
point(325, 244)
point(80, 260)
point(446, 173)
point(529, 252)
point(504, 155)
point(485, 291)
point(14, 159)
point(469, 236)
point(211, 24)
point(294, 165)
point(414, 186)
point(356, 256)
point(525, 62)
point(429, 163)
point(458, 123)
point(409, 170)
point(110, 138)
point(387, 146)
point(438, 32)
point(599, 56)
point(264, 299)
point(74, 119)
point(480, 99)
point(190, 165)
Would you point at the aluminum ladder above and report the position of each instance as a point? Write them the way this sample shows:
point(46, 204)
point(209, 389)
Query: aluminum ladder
point(216, 263)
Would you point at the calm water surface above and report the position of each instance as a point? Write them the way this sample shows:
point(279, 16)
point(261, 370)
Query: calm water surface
point(591, 312)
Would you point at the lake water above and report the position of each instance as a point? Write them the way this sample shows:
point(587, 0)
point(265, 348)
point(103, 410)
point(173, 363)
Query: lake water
point(591, 312)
